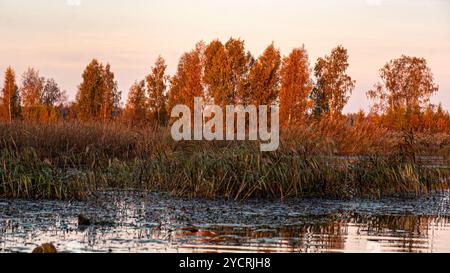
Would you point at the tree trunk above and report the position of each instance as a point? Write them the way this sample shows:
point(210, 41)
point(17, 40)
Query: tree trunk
point(9, 110)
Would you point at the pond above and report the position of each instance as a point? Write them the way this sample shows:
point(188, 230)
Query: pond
point(150, 222)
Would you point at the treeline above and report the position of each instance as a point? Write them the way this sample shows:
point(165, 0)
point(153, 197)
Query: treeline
point(38, 99)
point(227, 73)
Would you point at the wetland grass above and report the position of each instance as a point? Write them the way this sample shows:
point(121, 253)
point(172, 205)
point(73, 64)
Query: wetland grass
point(73, 161)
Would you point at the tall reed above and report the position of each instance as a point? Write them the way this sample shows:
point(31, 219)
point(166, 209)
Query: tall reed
point(73, 161)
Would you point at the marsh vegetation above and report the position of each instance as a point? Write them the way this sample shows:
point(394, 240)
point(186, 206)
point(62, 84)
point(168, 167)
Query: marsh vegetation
point(74, 161)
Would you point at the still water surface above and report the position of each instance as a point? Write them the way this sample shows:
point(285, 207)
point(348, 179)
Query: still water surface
point(134, 222)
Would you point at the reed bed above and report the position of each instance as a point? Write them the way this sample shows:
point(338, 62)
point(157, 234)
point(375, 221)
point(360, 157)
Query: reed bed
point(74, 161)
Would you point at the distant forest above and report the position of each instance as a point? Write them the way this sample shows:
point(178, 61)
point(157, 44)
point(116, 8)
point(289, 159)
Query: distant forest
point(226, 73)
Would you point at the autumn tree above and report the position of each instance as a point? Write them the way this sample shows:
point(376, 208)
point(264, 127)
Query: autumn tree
point(136, 107)
point(239, 62)
point(217, 73)
point(156, 87)
point(89, 99)
point(333, 85)
point(52, 95)
point(109, 94)
point(187, 82)
point(407, 82)
point(39, 97)
point(10, 97)
point(52, 102)
point(244, 89)
point(31, 92)
point(434, 119)
point(442, 120)
point(97, 94)
point(264, 77)
point(296, 86)
point(225, 70)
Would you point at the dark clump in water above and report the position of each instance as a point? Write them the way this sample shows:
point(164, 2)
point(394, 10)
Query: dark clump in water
point(136, 222)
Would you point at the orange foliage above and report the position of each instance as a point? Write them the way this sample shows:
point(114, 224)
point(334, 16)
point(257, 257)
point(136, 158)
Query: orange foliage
point(228, 74)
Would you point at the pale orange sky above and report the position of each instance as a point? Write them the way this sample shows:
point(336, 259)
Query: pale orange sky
point(60, 37)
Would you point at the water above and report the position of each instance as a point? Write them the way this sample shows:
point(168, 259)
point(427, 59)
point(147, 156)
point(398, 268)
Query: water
point(136, 222)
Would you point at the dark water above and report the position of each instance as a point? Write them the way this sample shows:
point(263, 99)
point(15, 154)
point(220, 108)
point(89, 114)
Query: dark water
point(132, 222)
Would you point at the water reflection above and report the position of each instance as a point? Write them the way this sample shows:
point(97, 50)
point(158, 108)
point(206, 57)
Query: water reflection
point(157, 223)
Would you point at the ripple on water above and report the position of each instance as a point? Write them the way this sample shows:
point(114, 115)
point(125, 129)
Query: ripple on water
point(159, 223)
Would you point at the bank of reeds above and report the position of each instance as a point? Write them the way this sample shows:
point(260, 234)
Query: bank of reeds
point(73, 161)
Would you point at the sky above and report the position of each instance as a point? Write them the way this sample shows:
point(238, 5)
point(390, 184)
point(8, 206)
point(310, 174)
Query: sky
point(60, 37)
